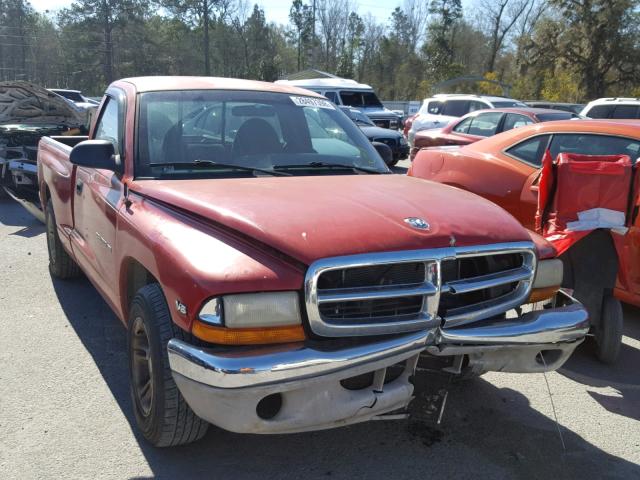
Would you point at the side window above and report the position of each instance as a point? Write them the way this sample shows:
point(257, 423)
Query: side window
point(530, 150)
point(513, 120)
point(475, 105)
point(107, 127)
point(463, 126)
point(456, 108)
point(434, 108)
point(485, 124)
point(333, 96)
point(600, 111)
point(588, 144)
point(625, 111)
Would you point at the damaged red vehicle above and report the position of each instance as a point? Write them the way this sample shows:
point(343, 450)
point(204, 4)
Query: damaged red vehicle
point(272, 273)
point(506, 169)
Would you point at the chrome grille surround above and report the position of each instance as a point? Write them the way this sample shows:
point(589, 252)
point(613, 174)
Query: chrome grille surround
point(430, 289)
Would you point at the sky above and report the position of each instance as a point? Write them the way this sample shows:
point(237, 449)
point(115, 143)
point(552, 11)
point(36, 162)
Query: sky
point(275, 10)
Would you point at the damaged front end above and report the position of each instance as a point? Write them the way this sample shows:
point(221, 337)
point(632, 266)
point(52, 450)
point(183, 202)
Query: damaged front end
point(27, 113)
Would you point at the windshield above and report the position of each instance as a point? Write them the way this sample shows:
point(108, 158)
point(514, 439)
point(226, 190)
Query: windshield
point(210, 133)
point(359, 99)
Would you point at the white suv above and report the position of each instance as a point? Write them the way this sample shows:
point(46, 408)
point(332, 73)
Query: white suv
point(439, 110)
point(620, 108)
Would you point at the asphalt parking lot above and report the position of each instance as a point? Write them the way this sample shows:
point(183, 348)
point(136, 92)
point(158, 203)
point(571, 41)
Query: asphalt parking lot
point(65, 410)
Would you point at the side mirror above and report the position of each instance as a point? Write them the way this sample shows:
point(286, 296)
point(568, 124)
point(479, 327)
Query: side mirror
point(95, 154)
point(384, 151)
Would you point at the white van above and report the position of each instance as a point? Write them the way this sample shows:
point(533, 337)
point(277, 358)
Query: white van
point(350, 93)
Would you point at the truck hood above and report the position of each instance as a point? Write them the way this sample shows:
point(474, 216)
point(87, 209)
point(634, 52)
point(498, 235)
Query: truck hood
point(28, 104)
point(379, 132)
point(308, 218)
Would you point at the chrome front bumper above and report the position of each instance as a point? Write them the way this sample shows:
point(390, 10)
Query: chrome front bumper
point(225, 386)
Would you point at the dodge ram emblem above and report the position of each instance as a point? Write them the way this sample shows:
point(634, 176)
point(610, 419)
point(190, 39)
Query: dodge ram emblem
point(418, 223)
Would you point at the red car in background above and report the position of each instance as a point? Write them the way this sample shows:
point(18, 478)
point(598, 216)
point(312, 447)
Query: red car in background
point(484, 123)
point(505, 169)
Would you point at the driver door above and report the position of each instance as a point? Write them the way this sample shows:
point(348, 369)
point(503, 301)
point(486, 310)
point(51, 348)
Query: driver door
point(98, 196)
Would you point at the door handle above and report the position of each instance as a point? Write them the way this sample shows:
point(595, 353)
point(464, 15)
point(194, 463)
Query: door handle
point(79, 187)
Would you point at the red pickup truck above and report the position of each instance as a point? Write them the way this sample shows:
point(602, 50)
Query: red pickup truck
point(272, 273)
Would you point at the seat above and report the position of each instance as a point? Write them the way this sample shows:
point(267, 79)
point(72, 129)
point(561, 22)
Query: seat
point(256, 136)
point(158, 126)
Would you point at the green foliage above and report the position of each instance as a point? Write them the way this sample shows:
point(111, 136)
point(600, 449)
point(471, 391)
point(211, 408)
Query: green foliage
point(562, 86)
point(490, 88)
point(562, 50)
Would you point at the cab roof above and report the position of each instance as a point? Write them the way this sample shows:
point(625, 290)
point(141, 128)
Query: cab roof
point(335, 82)
point(167, 83)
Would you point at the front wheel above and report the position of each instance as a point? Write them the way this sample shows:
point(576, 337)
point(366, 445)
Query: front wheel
point(608, 334)
point(162, 414)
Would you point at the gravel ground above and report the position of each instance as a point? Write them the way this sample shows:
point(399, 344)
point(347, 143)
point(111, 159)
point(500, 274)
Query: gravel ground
point(65, 410)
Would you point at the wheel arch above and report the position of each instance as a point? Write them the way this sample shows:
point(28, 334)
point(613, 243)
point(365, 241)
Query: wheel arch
point(133, 276)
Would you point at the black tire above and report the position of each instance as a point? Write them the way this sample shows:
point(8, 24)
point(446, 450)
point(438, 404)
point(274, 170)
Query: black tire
point(61, 265)
point(162, 414)
point(608, 334)
point(393, 162)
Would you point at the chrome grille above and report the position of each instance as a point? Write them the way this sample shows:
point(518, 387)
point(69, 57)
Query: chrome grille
point(396, 292)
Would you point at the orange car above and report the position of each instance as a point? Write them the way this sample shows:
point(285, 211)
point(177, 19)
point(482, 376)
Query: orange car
point(505, 169)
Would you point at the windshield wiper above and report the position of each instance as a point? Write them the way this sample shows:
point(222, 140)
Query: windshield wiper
point(211, 163)
point(330, 165)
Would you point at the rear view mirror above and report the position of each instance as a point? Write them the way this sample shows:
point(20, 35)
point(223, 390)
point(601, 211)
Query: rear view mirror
point(95, 154)
point(253, 111)
point(384, 151)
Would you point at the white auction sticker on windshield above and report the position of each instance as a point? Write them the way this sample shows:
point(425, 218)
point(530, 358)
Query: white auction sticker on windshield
point(312, 102)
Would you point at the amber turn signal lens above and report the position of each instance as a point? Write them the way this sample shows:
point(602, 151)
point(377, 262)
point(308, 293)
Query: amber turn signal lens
point(247, 336)
point(540, 294)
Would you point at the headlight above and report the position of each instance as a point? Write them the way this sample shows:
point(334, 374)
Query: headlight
point(403, 141)
point(547, 281)
point(253, 310)
point(549, 273)
point(250, 319)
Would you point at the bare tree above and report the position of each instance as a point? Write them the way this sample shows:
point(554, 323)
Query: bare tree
point(333, 17)
point(500, 18)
